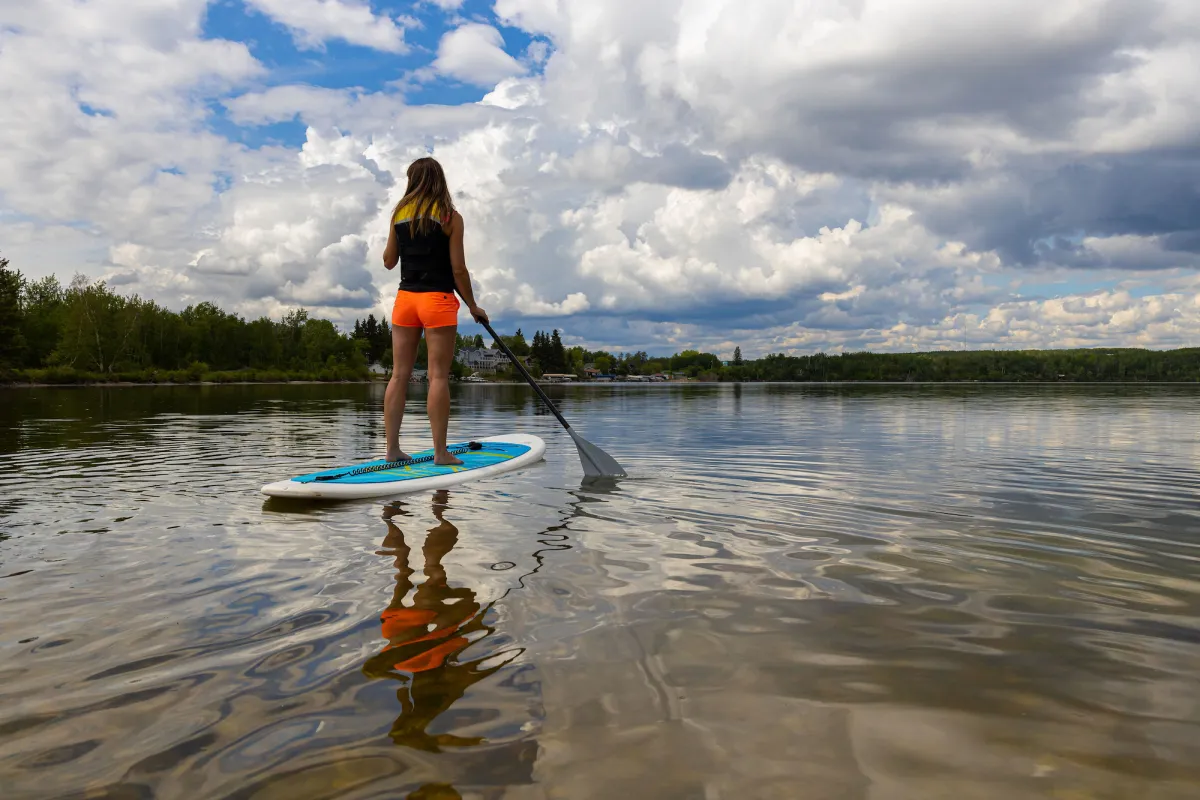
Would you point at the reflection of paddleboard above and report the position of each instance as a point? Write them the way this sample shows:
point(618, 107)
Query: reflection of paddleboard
point(481, 458)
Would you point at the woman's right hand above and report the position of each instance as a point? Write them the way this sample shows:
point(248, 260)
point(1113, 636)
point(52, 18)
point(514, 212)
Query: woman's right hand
point(479, 315)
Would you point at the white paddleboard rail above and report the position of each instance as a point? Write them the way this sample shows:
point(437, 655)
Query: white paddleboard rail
point(313, 489)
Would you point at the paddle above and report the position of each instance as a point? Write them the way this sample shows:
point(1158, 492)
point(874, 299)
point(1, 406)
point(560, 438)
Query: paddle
point(596, 462)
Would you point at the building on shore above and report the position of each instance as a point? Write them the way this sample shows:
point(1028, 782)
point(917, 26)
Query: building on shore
point(485, 360)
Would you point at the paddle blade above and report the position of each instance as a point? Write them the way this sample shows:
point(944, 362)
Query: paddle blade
point(596, 462)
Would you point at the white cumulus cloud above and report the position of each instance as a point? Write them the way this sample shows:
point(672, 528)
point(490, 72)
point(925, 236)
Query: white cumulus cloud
point(885, 174)
point(314, 22)
point(474, 53)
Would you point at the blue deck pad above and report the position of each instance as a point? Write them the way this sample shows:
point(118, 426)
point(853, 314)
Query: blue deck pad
point(492, 453)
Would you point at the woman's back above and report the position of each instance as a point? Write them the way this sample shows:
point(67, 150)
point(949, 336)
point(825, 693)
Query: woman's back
point(424, 251)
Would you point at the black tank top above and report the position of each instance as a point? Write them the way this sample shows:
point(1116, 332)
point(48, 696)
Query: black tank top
point(424, 257)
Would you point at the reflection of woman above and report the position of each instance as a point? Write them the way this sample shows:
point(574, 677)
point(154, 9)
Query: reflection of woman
point(425, 637)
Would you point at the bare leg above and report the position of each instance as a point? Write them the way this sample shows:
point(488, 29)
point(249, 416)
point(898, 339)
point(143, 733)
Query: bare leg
point(404, 354)
point(441, 354)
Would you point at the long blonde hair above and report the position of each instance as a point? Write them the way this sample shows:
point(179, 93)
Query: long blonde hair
point(426, 189)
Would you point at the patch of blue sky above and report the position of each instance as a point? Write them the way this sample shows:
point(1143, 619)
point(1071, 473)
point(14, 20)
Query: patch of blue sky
point(8, 215)
point(1082, 286)
point(287, 133)
point(92, 111)
point(222, 181)
point(337, 64)
point(341, 65)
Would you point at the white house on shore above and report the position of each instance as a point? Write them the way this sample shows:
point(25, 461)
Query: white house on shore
point(481, 359)
point(485, 360)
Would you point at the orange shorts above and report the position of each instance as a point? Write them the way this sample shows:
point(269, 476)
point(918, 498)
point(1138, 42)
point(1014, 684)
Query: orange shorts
point(425, 310)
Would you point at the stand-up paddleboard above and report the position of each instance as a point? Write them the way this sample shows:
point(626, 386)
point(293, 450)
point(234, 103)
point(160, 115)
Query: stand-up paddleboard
point(481, 458)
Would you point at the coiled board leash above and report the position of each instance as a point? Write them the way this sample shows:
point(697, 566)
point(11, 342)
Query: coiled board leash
point(457, 451)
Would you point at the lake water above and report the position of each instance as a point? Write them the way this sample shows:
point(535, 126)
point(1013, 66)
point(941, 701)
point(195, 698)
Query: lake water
point(800, 592)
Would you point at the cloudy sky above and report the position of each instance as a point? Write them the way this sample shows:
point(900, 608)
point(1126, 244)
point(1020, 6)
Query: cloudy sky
point(784, 175)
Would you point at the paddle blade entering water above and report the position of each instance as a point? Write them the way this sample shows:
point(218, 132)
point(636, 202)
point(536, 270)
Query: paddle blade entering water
point(596, 462)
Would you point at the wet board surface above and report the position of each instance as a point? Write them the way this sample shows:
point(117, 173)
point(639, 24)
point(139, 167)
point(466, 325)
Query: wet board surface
point(497, 455)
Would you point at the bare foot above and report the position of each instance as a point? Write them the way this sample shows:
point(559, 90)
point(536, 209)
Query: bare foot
point(396, 455)
point(447, 460)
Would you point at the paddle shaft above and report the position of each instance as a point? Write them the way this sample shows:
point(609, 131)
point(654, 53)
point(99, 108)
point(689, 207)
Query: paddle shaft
point(517, 363)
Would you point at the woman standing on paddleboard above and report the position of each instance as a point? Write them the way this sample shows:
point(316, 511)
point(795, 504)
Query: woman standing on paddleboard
point(426, 240)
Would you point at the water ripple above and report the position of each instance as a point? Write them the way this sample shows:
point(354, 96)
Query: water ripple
point(902, 591)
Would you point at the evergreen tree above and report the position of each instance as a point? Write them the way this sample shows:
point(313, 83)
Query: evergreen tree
point(478, 342)
point(377, 336)
point(538, 350)
point(422, 358)
point(370, 332)
point(737, 356)
point(544, 352)
point(381, 342)
point(558, 355)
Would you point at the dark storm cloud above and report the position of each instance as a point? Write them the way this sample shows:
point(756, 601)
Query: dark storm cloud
point(1183, 241)
point(1038, 215)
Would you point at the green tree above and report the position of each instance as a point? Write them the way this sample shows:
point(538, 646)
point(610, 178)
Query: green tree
point(516, 343)
point(541, 351)
point(379, 340)
point(737, 356)
point(12, 340)
point(264, 347)
point(42, 309)
point(99, 327)
point(322, 342)
point(217, 337)
point(422, 359)
point(575, 360)
point(558, 354)
point(376, 334)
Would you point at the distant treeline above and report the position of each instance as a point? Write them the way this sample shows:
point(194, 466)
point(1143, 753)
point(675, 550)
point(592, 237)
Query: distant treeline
point(87, 332)
point(549, 355)
point(1093, 364)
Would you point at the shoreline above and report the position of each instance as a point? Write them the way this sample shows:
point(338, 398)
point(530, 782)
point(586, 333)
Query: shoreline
point(143, 384)
point(595, 384)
